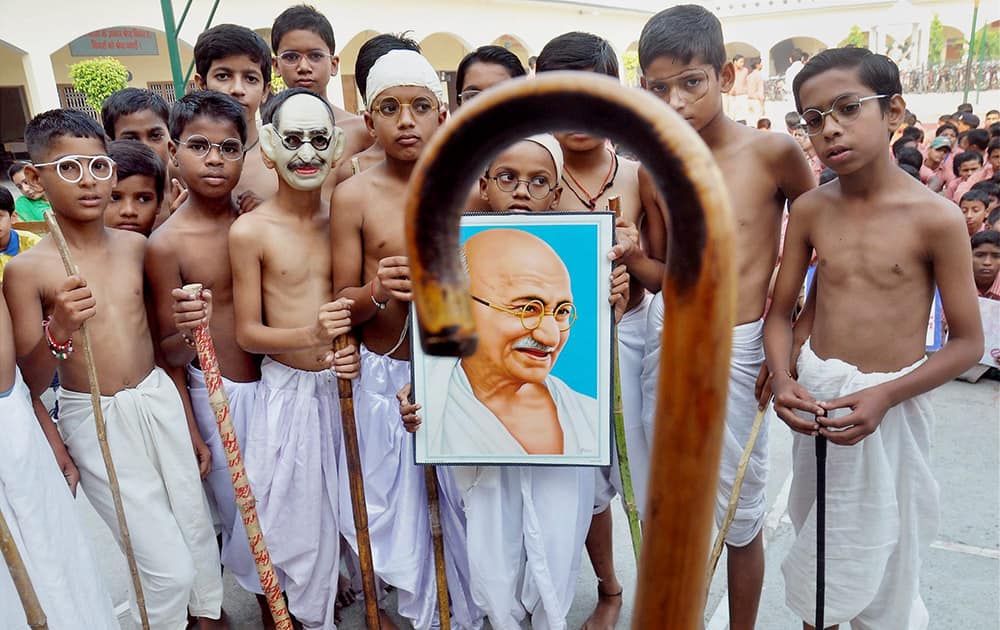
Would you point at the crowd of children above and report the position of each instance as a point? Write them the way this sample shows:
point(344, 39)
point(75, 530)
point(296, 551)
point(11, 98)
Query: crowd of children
point(294, 227)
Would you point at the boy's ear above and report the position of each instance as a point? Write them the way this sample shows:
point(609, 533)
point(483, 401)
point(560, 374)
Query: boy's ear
point(33, 177)
point(334, 65)
point(556, 196)
point(642, 81)
point(370, 123)
point(483, 188)
point(199, 81)
point(172, 148)
point(727, 76)
point(897, 109)
point(268, 142)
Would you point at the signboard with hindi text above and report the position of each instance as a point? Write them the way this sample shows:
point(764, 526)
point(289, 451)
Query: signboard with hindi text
point(117, 41)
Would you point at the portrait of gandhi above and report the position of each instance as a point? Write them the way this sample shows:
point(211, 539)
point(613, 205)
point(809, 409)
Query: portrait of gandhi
point(504, 399)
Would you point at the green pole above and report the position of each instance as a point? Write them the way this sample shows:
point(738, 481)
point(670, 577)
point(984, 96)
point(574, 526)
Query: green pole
point(173, 51)
point(970, 53)
point(208, 23)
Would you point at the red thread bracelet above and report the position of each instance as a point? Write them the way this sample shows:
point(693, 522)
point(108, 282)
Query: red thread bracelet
point(60, 351)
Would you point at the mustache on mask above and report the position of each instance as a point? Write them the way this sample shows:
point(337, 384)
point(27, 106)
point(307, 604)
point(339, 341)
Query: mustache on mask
point(316, 162)
point(530, 343)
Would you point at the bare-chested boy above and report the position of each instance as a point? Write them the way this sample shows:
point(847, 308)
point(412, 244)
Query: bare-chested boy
point(168, 516)
point(593, 174)
point(303, 44)
point(236, 61)
point(863, 376)
point(285, 309)
point(683, 60)
point(407, 107)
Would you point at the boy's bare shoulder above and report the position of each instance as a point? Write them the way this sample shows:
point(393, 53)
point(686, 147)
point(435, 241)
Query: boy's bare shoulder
point(32, 262)
point(355, 191)
point(928, 210)
point(774, 146)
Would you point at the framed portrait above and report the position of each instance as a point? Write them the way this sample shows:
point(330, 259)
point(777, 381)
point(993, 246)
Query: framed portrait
point(538, 388)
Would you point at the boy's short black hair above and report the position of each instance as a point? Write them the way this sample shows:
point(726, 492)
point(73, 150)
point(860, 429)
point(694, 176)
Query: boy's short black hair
point(989, 187)
point(994, 217)
point(909, 119)
point(497, 55)
point(900, 144)
point(210, 104)
point(302, 17)
point(6, 200)
point(135, 158)
point(986, 237)
point(793, 120)
point(57, 123)
point(944, 127)
point(977, 195)
point(269, 115)
point(914, 133)
point(129, 101)
point(827, 175)
point(994, 130)
point(372, 50)
point(910, 170)
point(910, 156)
point(993, 145)
point(578, 51)
point(876, 72)
point(993, 112)
point(227, 40)
point(15, 168)
point(978, 138)
point(964, 107)
point(683, 32)
point(763, 123)
point(963, 157)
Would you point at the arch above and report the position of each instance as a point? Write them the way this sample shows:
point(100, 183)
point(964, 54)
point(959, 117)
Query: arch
point(781, 51)
point(444, 50)
point(348, 60)
point(954, 45)
point(516, 45)
point(266, 34)
point(741, 48)
point(15, 107)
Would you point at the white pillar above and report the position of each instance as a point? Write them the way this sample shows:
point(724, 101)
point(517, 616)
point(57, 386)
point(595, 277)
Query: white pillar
point(41, 81)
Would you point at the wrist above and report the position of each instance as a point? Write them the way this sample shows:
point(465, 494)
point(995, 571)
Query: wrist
point(56, 332)
point(380, 301)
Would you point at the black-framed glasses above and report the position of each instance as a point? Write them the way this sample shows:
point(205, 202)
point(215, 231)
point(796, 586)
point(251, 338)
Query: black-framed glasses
point(538, 186)
point(69, 168)
point(292, 58)
point(533, 312)
point(844, 109)
point(293, 141)
point(392, 107)
point(199, 146)
point(467, 95)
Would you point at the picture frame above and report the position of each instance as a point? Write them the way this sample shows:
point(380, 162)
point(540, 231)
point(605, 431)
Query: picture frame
point(561, 377)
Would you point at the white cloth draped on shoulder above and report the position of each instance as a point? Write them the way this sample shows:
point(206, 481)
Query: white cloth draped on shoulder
point(236, 555)
point(292, 449)
point(882, 508)
point(168, 516)
point(38, 508)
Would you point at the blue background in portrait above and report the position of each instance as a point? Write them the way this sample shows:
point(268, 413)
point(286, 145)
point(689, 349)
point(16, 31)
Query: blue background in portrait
point(578, 248)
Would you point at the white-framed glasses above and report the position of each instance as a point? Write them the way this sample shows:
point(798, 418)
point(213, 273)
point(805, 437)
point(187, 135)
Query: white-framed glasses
point(291, 58)
point(69, 168)
point(845, 109)
point(199, 146)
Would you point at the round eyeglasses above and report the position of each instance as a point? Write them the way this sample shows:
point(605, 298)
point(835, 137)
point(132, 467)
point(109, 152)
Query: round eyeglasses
point(70, 168)
point(844, 109)
point(538, 186)
point(391, 107)
point(291, 58)
point(199, 146)
point(690, 86)
point(533, 312)
point(294, 141)
point(467, 95)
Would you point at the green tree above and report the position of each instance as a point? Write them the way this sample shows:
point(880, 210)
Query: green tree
point(856, 38)
point(631, 61)
point(987, 41)
point(98, 78)
point(935, 42)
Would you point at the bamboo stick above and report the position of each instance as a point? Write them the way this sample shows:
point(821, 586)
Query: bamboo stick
point(22, 581)
point(245, 500)
point(83, 343)
point(440, 575)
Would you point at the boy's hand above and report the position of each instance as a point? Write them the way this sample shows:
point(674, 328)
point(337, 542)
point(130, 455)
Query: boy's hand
point(407, 410)
point(392, 281)
point(178, 195)
point(191, 310)
point(790, 396)
point(202, 455)
point(762, 388)
point(346, 363)
point(66, 465)
point(619, 291)
point(334, 319)
point(627, 246)
point(248, 200)
point(867, 406)
point(74, 305)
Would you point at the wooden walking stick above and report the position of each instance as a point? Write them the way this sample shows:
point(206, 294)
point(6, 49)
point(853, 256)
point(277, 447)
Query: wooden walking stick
point(698, 294)
point(22, 581)
point(624, 470)
point(357, 483)
point(820, 530)
point(437, 538)
point(83, 343)
point(245, 500)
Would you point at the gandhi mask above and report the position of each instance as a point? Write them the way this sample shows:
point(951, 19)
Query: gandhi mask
point(302, 143)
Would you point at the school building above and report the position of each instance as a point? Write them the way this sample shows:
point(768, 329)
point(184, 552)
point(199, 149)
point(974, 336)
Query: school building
point(39, 42)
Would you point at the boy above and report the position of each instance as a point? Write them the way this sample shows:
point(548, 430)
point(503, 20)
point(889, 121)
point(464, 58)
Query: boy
point(32, 204)
point(41, 517)
point(236, 61)
point(12, 242)
point(869, 327)
point(138, 190)
point(986, 263)
point(682, 58)
point(303, 43)
point(993, 154)
point(371, 269)
point(966, 166)
point(193, 247)
point(992, 117)
point(170, 526)
point(975, 208)
point(535, 162)
point(284, 308)
point(934, 160)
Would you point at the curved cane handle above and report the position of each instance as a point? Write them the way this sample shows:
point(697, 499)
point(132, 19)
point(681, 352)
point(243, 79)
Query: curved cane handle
point(698, 293)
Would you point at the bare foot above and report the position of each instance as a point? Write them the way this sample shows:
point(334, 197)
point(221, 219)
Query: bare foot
point(386, 621)
point(204, 623)
point(345, 594)
point(609, 606)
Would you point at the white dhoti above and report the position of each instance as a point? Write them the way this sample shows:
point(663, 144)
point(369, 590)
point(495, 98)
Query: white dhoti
point(292, 446)
point(881, 508)
point(741, 410)
point(38, 508)
point(165, 506)
point(395, 491)
point(236, 555)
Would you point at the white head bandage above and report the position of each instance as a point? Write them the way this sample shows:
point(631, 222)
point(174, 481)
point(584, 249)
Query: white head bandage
point(402, 68)
point(550, 144)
